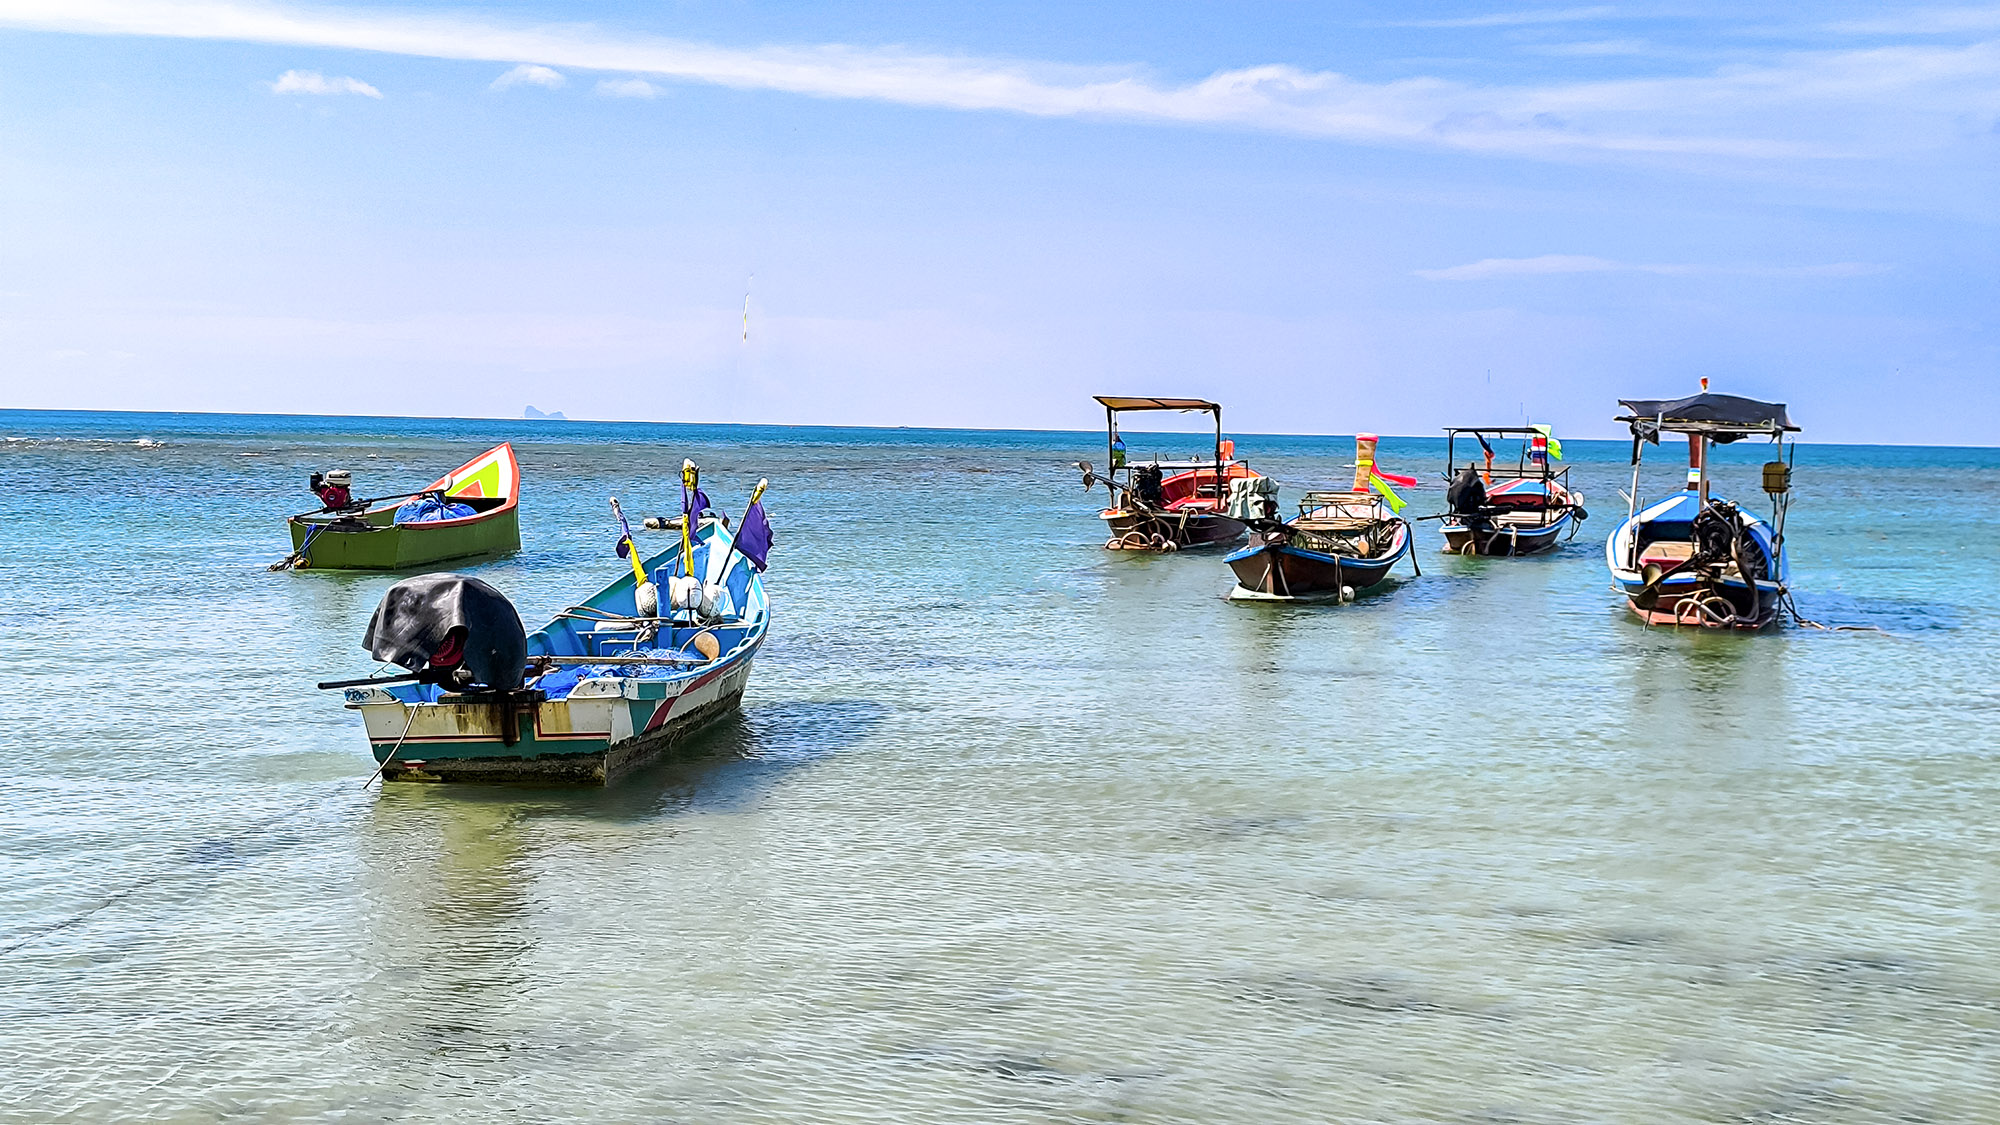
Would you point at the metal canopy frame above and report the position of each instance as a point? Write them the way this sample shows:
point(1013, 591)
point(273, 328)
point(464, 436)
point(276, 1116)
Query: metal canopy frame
point(1549, 471)
point(1115, 404)
point(1662, 424)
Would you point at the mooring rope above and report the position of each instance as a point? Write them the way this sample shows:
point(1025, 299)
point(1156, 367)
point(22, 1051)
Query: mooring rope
point(80, 916)
point(1798, 618)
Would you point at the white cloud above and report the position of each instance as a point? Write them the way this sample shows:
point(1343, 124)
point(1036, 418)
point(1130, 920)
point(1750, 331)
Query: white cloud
point(1515, 19)
point(313, 82)
point(1876, 102)
point(1487, 269)
point(528, 74)
point(627, 88)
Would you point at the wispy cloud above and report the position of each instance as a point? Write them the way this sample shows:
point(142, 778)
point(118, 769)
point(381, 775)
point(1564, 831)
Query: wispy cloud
point(1815, 104)
point(1514, 19)
point(1595, 48)
point(1925, 21)
point(1487, 269)
point(627, 88)
point(313, 82)
point(529, 74)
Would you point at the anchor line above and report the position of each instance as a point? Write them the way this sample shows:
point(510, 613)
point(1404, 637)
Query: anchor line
point(78, 917)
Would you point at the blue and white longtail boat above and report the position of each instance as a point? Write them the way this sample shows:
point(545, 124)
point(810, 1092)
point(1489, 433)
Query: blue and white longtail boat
point(1697, 558)
point(610, 683)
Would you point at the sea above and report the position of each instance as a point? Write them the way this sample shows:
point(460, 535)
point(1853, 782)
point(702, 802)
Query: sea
point(1011, 828)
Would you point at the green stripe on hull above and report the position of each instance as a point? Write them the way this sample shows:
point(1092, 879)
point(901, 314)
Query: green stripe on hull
point(401, 546)
point(590, 762)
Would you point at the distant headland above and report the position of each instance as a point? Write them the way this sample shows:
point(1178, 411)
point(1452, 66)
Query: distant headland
point(553, 415)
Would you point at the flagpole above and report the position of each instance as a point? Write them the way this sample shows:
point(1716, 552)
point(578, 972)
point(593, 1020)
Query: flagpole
point(645, 594)
point(729, 559)
point(690, 482)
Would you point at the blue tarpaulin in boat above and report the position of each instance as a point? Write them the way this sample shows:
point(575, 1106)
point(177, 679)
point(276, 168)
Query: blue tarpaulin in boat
point(559, 682)
point(430, 509)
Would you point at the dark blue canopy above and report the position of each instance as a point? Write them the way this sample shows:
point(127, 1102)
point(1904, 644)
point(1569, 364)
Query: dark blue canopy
point(1724, 418)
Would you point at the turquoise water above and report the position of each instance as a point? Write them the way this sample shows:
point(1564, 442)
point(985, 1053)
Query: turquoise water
point(1012, 828)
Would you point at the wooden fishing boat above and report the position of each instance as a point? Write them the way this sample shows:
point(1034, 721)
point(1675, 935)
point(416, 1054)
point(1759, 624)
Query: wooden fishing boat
point(1164, 505)
point(1696, 558)
point(430, 525)
point(1518, 509)
point(1339, 544)
point(608, 685)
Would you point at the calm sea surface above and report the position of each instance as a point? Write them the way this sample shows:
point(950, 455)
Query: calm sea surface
point(1012, 828)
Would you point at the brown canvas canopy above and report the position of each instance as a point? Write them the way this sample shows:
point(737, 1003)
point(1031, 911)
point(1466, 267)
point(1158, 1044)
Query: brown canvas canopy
point(1115, 402)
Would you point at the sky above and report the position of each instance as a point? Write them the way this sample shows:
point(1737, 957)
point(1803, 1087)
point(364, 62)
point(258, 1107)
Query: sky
point(1330, 217)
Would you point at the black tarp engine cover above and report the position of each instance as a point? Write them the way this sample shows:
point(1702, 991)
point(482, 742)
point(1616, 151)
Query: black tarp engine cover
point(1466, 494)
point(418, 614)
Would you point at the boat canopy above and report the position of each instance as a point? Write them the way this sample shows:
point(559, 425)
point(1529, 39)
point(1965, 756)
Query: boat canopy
point(1114, 402)
point(1720, 418)
point(1504, 431)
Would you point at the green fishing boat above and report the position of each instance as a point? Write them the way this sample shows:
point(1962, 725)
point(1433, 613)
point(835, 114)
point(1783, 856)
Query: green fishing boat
point(469, 511)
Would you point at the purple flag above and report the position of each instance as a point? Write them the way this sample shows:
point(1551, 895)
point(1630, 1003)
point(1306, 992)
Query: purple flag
point(700, 502)
point(753, 535)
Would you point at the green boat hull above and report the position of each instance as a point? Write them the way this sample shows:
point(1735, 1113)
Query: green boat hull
point(392, 546)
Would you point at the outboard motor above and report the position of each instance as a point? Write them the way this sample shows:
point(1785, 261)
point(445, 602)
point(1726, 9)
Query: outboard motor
point(451, 630)
point(1714, 533)
point(1146, 485)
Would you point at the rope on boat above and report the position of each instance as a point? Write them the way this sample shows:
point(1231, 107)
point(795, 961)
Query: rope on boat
point(299, 556)
point(398, 746)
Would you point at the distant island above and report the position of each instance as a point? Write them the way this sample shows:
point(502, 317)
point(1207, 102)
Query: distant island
point(553, 415)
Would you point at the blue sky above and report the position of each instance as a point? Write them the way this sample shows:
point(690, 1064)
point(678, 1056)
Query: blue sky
point(1331, 217)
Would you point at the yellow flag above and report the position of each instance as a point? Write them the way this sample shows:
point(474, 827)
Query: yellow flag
point(1376, 482)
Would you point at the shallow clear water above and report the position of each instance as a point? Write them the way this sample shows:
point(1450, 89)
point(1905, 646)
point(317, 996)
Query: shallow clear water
point(1011, 828)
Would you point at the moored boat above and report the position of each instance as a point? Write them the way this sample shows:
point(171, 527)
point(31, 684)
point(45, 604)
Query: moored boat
point(472, 510)
point(606, 686)
point(1165, 505)
point(1518, 509)
point(1697, 558)
point(1339, 544)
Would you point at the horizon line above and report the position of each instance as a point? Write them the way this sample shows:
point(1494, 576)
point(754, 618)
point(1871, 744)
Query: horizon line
point(4, 410)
